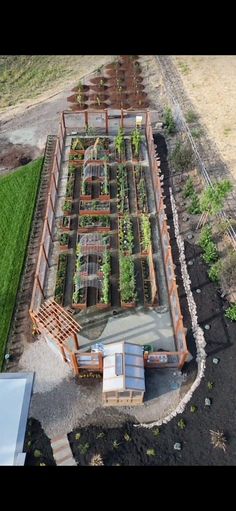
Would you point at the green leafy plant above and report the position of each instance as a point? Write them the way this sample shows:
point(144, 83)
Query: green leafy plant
point(210, 253)
point(116, 444)
point(106, 270)
point(37, 453)
point(100, 435)
point(77, 436)
point(76, 144)
point(230, 313)
point(182, 424)
point(127, 437)
point(191, 116)
point(145, 232)
point(169, 121)
point(127, 279)
point(205, 236)
point(84, 448)
point(194, 207)
point(196, 132)
point(193, 408)
point(151, 452)
point(214, 272)
point(210, 385)
point(188, 190)
point(136, 140)
point(212, 198)
point(156, 432)
point(120, 141)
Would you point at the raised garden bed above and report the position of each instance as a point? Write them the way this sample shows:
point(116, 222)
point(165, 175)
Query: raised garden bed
point(93, 207)
point(67, 207)
point(126, 237)
point(64, 242)
point(127, 281)
point(122, 190)
point(60, 278)
point(141, 191)
point(89, 223)
point(65, 224)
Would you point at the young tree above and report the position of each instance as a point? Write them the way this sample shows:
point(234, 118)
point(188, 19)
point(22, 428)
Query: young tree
point(212, 199)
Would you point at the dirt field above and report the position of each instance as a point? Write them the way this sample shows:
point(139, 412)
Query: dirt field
point(210, 83)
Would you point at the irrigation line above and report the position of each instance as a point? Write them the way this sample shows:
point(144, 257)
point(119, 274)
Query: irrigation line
point(181, 121)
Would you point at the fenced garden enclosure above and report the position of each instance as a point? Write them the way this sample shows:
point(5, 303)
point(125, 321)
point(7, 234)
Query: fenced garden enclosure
point(106, 257)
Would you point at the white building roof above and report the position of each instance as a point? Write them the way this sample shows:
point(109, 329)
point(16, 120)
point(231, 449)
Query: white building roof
point(15, 395)
point(123, 367)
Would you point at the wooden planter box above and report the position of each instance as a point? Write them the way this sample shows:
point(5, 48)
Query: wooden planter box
point(94, 212)
point(86, 198)
point(104, 198)
point(102, 306)
point(63, 248)
point(128, 305)
point(85, 230)
point(79, 306)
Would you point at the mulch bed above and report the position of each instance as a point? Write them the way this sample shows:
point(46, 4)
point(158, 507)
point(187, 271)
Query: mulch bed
point(37, 440)
point(221, 415)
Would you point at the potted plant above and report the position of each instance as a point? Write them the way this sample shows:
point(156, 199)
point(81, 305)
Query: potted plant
point(64, 240)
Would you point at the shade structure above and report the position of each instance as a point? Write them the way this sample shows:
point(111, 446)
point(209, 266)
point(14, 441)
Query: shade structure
point(123, 374)
point(55, 321)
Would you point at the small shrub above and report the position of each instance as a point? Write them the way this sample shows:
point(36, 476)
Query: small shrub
point(182, 424)
point(218, 439)
point(84, 448)
point(205, 236)
point(194, 207)
point(188, 190)
point(37, 453)
point(196, 132)
point(42, 464)
point(156, 432)
point(127, 437)
point(29, 443)
point(77, 436)
point(231, 312)
point(210, 385)
point(193, 408)
point(214, 272)
point(100, 435)
point(191, 116)
point(116, 444)
point(210, 253)
point(184, 67)
point(151, 452)
point(169, 121)
point(182, 156)
point(96, 460)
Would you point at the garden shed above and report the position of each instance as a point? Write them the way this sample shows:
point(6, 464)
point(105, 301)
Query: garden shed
point(123, 374)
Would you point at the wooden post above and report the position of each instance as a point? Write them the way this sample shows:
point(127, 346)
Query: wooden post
point(39, 284)
point(76, 341)
point(74, 363)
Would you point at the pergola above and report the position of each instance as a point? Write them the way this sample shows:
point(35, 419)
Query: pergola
point(58, 327)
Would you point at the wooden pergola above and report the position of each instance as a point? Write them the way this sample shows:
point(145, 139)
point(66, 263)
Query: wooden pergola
point(61, 332)
point(58, 326)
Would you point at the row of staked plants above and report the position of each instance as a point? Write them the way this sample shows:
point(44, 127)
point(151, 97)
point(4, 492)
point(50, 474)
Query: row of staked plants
point(127, 279)
point(145, 232)
point(122, 189)
point(126, 237)
point(106, 270)
point(60, 279)
point(141, 189)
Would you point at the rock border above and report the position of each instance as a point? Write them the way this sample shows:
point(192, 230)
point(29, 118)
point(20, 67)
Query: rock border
point(197, 330)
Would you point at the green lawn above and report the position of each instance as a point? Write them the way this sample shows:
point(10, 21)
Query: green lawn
point(17, 200)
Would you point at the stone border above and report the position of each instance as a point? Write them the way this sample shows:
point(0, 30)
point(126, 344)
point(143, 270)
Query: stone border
point(197, 330)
